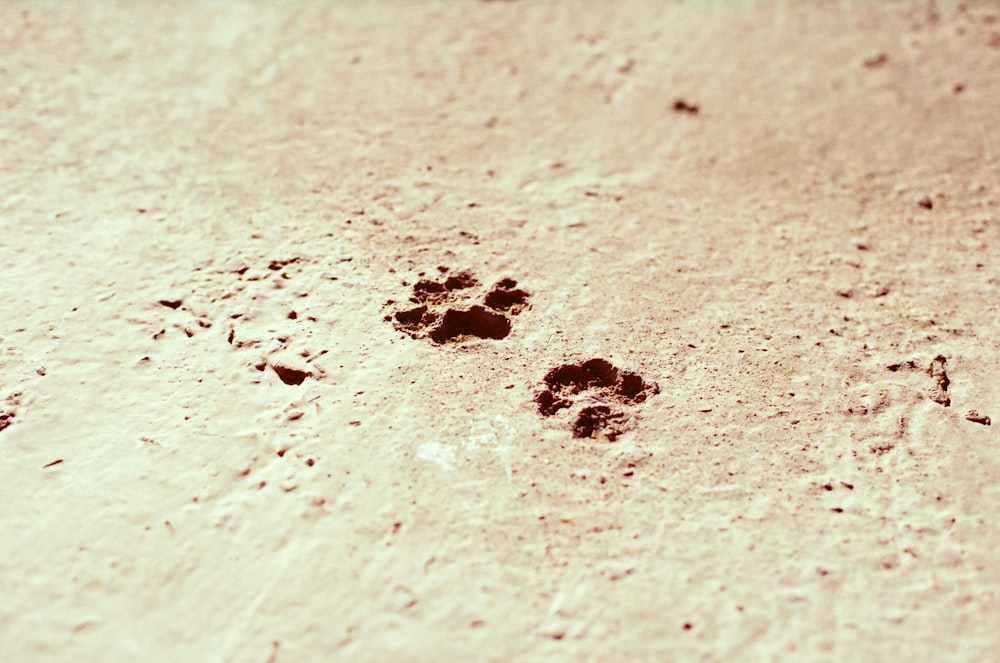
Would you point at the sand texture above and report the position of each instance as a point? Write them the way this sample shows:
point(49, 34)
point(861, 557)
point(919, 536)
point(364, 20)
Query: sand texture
point(499, 331)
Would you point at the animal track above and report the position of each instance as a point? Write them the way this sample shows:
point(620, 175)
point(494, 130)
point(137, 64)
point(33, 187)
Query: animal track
point(506, 296)
point(431, 319)
point(605, 392)
point(476, 321)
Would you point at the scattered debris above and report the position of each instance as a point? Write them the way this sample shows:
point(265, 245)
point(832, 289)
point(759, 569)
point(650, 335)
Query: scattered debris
point(939, 390)
point(876, 61)
point(682, 106)
point(9, 411)
point(976, 418)
point(926, 202)
point(290, 374)
point(626, 66)
point(277, 265)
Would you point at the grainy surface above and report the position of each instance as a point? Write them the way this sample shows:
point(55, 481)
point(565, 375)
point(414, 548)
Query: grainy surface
point(782, 216)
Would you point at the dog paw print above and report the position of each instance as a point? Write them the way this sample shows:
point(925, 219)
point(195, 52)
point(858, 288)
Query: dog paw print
point(602, 396)
point(438, 312)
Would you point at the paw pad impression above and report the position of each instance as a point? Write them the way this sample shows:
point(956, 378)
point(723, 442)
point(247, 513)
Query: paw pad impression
point(601, 394)
point(438, 313)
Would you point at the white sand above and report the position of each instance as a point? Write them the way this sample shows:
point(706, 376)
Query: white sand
point(783, 496)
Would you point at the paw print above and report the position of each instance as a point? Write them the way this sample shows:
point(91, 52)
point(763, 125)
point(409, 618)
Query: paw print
point(603, 396)
point(439, 313)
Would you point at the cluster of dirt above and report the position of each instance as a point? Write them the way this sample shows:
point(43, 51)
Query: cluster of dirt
point(976, 418)
point(603, 393)
point(440, 316)
point(261, 305)
point(876, 61)
point(288, 374)
point(8, 410)
point(940, 382)
point(683, 106)
point(938, 391)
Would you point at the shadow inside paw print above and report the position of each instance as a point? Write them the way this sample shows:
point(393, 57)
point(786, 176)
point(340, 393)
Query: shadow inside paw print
point(439, 317)
point(606, 394)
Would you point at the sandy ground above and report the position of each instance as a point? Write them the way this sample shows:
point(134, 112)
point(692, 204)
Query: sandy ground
point(300, 304)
